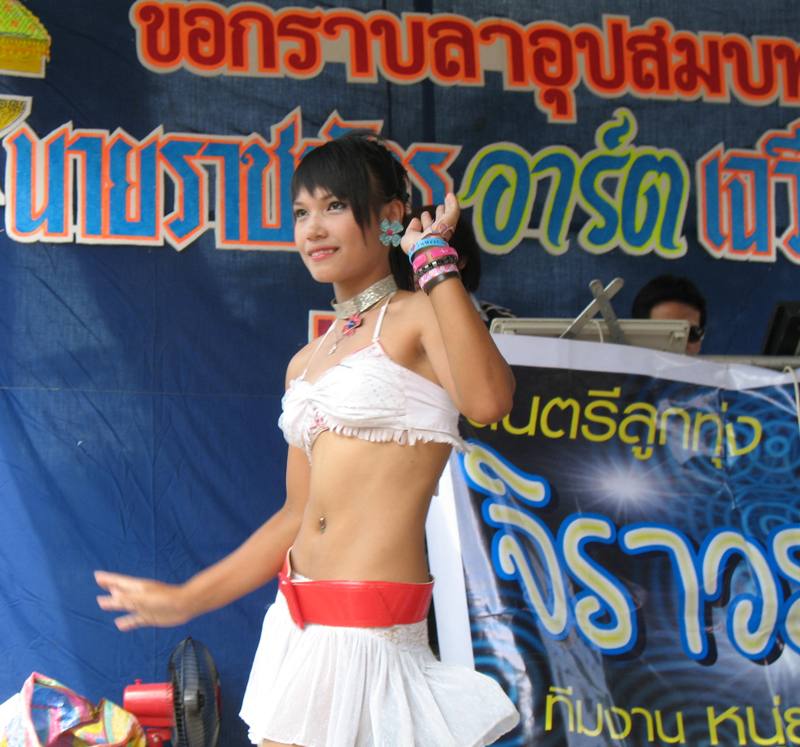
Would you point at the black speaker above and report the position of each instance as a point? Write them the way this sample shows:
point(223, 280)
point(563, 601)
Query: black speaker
point(783, 333)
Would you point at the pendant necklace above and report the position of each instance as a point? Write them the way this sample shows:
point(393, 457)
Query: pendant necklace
point(350, 312)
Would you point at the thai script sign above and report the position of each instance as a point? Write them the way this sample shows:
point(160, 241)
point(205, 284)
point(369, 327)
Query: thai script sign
point(737, 198)
point(642, 539)
point(94, 186)
point(547, 58)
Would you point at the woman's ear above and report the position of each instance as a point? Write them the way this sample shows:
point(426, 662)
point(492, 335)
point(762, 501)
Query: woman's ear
point(394, 210)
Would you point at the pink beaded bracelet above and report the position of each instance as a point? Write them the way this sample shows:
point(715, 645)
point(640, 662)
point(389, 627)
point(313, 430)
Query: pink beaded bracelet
point(431, 284)
point(435, 273)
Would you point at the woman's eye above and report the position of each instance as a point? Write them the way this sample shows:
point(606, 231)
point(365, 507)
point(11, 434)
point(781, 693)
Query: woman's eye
point(337, 205)
point(298, 213)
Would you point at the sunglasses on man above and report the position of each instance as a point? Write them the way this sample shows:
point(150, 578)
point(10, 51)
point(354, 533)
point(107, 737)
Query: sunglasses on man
point(696, 333)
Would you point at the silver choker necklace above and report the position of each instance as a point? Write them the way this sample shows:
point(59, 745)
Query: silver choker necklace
point(366, 299)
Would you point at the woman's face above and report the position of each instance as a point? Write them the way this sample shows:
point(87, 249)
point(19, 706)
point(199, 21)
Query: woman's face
point(331, 243)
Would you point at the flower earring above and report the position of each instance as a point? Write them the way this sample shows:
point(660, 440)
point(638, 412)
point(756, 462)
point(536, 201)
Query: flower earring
point(390, 232)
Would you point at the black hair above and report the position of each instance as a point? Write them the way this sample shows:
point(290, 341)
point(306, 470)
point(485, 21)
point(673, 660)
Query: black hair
point(358, 169)
point(668, 288)
point(464, 242)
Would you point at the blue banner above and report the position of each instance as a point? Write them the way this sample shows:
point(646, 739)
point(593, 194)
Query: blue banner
point(630, 539)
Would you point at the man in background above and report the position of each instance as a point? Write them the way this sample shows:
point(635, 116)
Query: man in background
point(673, 297)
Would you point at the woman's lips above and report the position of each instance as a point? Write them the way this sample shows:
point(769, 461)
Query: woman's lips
point(321, 253)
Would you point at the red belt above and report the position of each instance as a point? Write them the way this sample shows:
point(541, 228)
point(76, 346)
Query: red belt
point(356, 604)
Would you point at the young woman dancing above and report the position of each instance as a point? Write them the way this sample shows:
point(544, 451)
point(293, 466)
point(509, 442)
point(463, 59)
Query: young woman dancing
point(370, 414)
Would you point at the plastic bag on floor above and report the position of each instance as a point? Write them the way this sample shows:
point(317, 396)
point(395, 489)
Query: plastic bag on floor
point(48, 714)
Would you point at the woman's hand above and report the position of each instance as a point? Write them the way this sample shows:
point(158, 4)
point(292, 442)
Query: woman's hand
point(147, 602)
point(443, 223)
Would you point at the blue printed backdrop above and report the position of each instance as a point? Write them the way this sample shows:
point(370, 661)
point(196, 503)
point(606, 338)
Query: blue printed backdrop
point(141, 384)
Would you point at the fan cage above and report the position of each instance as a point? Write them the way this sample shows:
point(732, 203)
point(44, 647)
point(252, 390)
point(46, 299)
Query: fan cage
point(195, 693)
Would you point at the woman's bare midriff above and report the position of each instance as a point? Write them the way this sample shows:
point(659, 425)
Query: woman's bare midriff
point(365, 516)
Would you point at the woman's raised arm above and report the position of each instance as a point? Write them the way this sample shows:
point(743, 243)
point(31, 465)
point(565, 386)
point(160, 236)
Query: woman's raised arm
point(456, 341)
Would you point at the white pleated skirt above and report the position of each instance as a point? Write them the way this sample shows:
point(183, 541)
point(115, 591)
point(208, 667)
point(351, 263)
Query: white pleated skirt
point(329, 686)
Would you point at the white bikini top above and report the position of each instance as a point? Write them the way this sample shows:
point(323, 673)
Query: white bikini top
point(369, 396)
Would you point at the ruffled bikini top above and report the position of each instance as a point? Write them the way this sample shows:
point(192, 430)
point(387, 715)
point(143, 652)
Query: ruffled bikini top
point(369, 396)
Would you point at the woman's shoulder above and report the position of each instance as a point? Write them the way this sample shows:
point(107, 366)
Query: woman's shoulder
point(300, 361)
point(410, 315)
point(414, 305)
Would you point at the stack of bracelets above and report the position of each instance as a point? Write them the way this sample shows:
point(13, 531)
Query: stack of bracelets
point(434, 261)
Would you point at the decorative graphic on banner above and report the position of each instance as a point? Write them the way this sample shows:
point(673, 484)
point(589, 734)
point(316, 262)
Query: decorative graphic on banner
point(24, 41)
point(24, 50)
point(13, 111)
point(319, 322)
point(645, 586)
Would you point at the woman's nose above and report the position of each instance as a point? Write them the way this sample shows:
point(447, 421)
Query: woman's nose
point(315, 226)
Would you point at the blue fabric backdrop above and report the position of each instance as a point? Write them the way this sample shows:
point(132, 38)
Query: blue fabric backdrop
point(140, 385)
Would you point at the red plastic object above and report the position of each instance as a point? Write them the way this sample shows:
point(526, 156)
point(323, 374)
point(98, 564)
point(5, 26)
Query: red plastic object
point(152, 705)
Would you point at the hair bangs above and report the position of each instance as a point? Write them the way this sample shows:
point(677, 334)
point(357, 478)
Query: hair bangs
point(337, 168)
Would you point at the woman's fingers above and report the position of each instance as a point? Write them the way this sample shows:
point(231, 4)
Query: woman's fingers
point(442, 222)
point(118, 601)
point(122, 590)
point(110, 581)
point(414, 225)
point(147, 602)
point(446, 217)
point(129, 622)
point(111, 603)
point(450, 210)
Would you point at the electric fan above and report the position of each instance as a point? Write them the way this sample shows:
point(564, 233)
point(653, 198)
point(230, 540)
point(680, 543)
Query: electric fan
point(184, 711)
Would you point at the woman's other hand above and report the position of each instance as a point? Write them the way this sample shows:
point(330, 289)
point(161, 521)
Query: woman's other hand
point(443, 223)
point(146, 602)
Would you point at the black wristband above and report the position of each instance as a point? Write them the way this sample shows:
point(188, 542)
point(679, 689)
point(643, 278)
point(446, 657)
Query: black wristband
point(433, 282)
